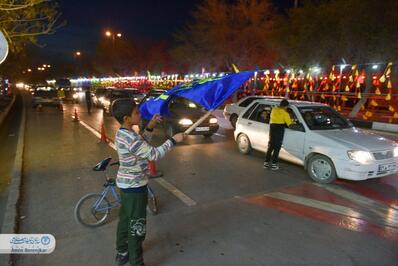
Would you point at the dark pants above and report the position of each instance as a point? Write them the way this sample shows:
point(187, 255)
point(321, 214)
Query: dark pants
point(89, 105)
point(276, 133)
point(131, 228)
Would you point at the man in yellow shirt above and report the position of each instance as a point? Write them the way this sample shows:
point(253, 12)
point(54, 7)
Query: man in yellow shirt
point(280, 118)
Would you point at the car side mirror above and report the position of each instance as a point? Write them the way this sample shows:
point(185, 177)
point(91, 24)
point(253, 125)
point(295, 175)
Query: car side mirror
point(297, 127)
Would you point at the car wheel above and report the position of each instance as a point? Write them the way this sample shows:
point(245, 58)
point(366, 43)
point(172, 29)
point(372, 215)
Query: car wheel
point(208, 135)
point(233, 120)
point(170, 132)
point(244, 145)
point(321, 169)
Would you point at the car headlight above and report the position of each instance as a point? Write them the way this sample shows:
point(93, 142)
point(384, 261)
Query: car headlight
point(396, 152)
point(362, 157)
point(213, 120)
point(185, 122)
point(75, 96)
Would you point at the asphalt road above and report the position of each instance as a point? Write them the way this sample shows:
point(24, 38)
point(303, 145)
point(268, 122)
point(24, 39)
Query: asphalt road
point(217, 206)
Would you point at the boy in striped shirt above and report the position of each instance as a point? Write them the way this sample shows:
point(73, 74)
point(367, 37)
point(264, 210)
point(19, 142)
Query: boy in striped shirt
point(132, 178)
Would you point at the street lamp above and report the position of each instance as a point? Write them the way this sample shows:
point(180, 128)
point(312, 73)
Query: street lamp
point(78, 53)
point(29, 70)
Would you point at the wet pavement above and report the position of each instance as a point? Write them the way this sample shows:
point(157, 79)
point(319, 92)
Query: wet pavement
point(216, 206)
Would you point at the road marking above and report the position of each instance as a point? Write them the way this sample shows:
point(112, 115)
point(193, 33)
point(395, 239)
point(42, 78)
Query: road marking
point(330, 207)
point(324, 216)
point(168, 186)
point(373, 205)
point(184, 198)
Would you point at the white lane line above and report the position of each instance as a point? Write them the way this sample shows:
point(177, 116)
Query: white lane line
point(184, 198)
point(168, 186)
point(330, 207)
point(326, 206)
point(373, 205)
point(218, 134)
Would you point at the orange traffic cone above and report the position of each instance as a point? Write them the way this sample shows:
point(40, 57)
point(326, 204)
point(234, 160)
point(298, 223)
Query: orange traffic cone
point(76, 116)
point(103, 134)
point(152, 170)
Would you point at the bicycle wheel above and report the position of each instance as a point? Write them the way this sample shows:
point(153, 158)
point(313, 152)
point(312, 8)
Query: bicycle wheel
point(152, 202)
point(88, 215)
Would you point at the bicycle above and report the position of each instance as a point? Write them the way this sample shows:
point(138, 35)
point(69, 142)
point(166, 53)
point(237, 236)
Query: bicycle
point(99, 205)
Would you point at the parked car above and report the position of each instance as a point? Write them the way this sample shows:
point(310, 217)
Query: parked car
point(183, 113)
point(45, 96)
point(321, 140)
point(233, 110)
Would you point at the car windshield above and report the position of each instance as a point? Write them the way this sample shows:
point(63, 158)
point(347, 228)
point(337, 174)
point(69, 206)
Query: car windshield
point(323, 118)
point(43, 93)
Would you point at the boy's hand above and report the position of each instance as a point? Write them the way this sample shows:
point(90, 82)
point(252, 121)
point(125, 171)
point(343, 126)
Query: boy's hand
point(154, 121)
point(178, 137)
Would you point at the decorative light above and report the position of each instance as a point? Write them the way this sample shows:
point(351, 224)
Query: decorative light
point(108, 33)
point(119, 35)
point(375, 66)
point(29, 70)
point(78, 53)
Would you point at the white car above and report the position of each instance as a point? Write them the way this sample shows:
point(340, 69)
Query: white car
point(321, 140)
point(233, 110)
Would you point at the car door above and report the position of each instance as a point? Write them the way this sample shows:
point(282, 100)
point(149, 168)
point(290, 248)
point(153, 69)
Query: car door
point(258, 126)
point(294, 139)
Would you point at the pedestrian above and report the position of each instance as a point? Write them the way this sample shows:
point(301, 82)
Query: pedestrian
point(132, 178)
point(280, 118)
point(88, 100)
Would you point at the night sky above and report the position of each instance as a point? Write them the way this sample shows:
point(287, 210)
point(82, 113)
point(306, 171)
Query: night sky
point(87, 21)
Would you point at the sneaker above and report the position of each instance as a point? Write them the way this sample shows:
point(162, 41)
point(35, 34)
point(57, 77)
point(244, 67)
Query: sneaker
point(122, 258)
point(266, 164)
point(274, 167)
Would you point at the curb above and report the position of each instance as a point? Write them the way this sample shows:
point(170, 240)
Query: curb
point(4, 114)
point(9, 225)
point(376, 125)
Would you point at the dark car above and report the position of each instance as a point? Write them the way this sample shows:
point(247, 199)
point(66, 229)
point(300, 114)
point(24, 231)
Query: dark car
point(114, 94)
point(183, 113)
point(99, 97)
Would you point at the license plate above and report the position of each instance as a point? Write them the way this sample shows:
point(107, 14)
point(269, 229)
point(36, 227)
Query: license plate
point(200, 129)
point(386, 167)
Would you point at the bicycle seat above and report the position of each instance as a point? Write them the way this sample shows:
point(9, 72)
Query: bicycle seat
point(101, 166)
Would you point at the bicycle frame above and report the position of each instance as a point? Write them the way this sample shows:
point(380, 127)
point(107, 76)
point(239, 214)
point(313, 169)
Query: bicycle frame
point(104, 193)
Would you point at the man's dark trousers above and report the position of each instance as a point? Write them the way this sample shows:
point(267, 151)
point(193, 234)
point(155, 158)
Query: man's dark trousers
point(276, 133)
point(131, 229)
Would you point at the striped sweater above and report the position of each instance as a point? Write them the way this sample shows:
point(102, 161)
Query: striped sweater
point(134, 153)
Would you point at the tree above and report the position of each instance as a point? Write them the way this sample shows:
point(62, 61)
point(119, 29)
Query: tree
point(324, 32)
point(22, 21)
point(225, 33)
